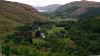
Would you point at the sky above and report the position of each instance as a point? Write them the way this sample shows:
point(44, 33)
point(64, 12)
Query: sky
point(45, 2)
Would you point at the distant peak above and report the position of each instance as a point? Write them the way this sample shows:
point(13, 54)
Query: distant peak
point(84, 0)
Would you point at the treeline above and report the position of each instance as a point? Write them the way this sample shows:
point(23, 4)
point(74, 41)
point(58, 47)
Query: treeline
point(73, 39)
point(86, 33)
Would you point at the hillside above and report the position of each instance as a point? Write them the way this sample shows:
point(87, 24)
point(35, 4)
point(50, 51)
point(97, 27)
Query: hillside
point(13, 14)
point(81, 9)
point(24, 32)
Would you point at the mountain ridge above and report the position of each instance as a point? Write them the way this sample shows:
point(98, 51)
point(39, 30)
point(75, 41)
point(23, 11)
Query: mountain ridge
point(77, 8)
point(48, 8)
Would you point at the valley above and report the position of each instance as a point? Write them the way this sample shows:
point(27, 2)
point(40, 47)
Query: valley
point(65, 32)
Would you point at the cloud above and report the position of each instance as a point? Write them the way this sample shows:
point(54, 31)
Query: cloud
point(45, 2)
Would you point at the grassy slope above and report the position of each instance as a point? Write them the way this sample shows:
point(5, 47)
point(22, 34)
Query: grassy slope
point(79, 9)
point(14, 14)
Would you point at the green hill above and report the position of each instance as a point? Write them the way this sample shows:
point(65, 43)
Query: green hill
point(80, 9)
point(13, 14)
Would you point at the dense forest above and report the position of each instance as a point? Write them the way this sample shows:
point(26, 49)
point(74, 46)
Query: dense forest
point(71, 38)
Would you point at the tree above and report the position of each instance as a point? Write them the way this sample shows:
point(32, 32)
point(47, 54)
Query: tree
point(25, 32)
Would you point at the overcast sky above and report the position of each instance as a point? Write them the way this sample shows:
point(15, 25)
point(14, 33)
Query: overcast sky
point(45, 2)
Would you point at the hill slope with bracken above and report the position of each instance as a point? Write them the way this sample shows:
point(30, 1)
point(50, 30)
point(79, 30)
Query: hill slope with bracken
point(81, 9)
point(13, 14)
